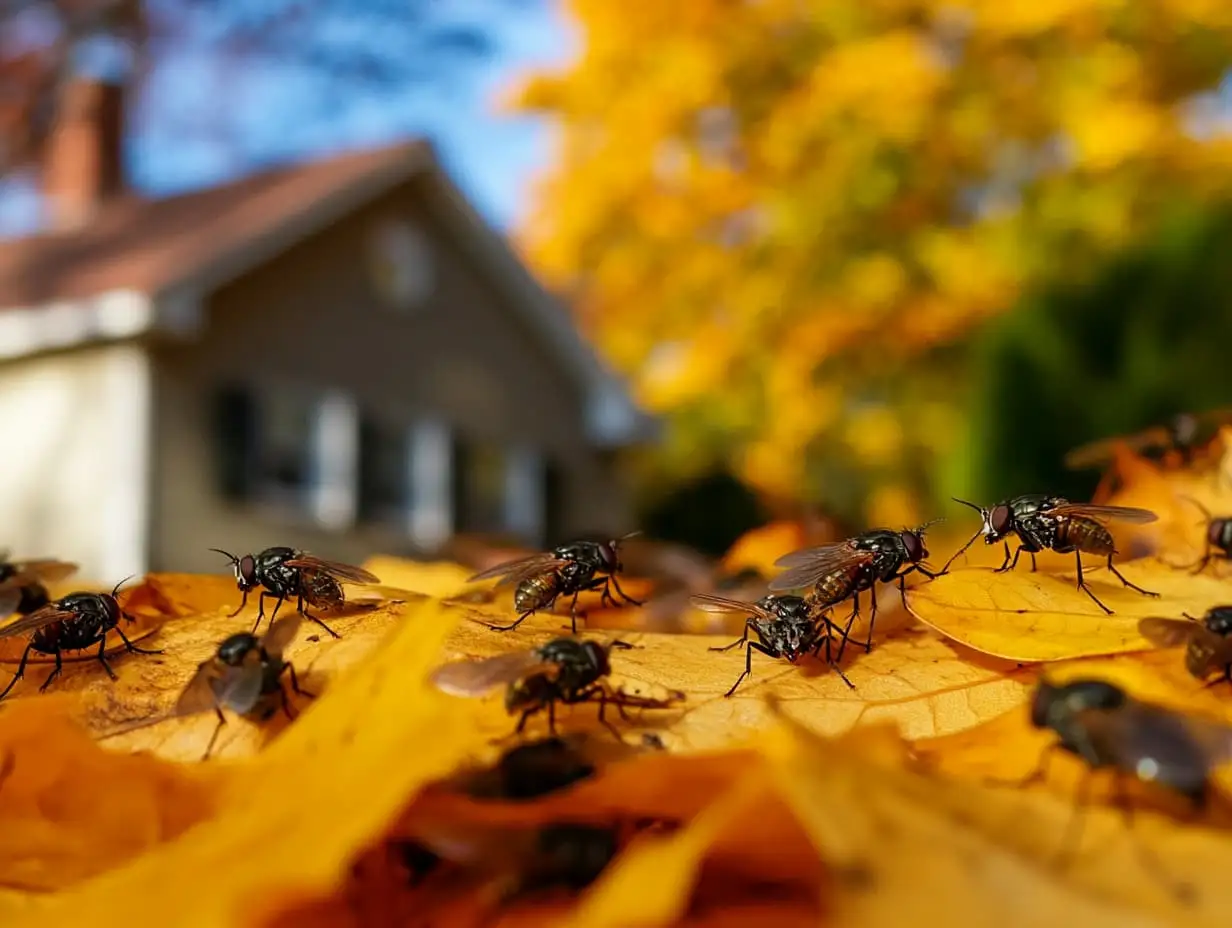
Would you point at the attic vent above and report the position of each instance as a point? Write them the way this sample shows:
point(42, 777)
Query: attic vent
point(400, 261)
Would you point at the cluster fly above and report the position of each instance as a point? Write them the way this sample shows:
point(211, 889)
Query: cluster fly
point(1182, 435)
point(1218, 538)
point(845, 569)
point(1106, 728)
point(1207, 641)
point(285, 573)
point(1053, 523)
point(71, 623)
point(785, 626)
point(567, 570)
point(245, 676)
point(564, 670)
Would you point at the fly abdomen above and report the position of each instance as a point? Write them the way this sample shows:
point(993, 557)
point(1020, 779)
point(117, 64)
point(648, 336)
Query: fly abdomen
point(1086, 535)
point(320, 589)
point(537, 592)
point(835, 587)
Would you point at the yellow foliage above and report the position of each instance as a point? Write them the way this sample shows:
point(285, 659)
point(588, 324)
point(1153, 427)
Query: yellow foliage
point(813, 192)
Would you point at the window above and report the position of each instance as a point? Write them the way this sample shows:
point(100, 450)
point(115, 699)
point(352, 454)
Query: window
point(432, 518)
point(384, 472)
point(234, 417)
point(479, 487)
point(288, 447)
point(400, 263)
point(284, 446)
point(525, 494)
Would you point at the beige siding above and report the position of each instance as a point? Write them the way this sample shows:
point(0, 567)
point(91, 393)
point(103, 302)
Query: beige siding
point(74, 482)
point(312, 318)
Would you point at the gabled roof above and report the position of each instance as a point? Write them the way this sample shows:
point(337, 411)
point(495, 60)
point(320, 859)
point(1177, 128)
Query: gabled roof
point(158, 249)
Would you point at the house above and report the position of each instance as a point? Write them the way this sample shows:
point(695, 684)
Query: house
point(338, 355)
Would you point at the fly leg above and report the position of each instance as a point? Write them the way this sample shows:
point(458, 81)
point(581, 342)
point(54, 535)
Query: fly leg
point(1072, 836)
point(830, 661)
point(307, 615)
point(1005, 564)
point(748, 664)
point(60, 666)
point(1132, 586)
point(295, 688)
point(1147, 858)
point(1082, 584)
point(21, 670)
point(604, 697)
point(132, 648)
point(623, 595)
point(872, 617)
point(851, 620)
point(222, 720)
point(102, 646)
point(261, 608)
point(508, 628)
point(739, 642)
point(243, 603)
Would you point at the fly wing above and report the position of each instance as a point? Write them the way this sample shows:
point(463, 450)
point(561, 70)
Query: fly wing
point(199, 694)
point(476, 677)
point(518, 570)
point(1180, 749)
point(339, 571)
point(1168, 633)
point(712, 603)
point(1099, 453)
point(1103, 513)
point(46, 570)
point(240, 688)
point(281, 633)
point(35, 620)
point(811, 565)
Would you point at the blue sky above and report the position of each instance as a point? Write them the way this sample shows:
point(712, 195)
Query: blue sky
point(183, 139)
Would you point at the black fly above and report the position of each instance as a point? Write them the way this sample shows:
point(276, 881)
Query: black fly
point(1183, 434)
point(564, 670)
point(245, 676)
point(71, 623)
point(1218, 537)
point(1044, 522)
point(1207, 641)
point(844, 569)
point(285, 573)
point(569, 569)
point(785, 626)
point(1105, 728)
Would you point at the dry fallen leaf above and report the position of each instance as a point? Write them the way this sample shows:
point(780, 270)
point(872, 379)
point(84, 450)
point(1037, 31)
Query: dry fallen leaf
point(791, 812)
point(1022, 615)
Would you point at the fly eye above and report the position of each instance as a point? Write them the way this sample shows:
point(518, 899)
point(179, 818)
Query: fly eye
point(914, 545)
point(999, 519)
point(247, 568)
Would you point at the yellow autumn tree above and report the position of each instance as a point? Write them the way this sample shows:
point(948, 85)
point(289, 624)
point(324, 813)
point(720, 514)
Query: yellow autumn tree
point(760, 208)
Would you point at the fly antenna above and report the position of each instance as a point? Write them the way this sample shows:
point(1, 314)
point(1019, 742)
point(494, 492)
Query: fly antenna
point(227, 554)
point(115, 589)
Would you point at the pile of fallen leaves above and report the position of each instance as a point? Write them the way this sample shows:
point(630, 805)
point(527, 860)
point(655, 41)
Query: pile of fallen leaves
point(796, 801)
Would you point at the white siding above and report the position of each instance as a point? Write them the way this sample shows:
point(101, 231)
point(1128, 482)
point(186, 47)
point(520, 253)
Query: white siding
point(74, 476)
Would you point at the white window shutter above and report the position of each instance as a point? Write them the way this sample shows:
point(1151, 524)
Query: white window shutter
point(524, 493)
point(335, 461)
point(430, 520)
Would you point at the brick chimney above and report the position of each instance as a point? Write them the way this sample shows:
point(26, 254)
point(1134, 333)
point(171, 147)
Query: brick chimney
point(84, 163)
